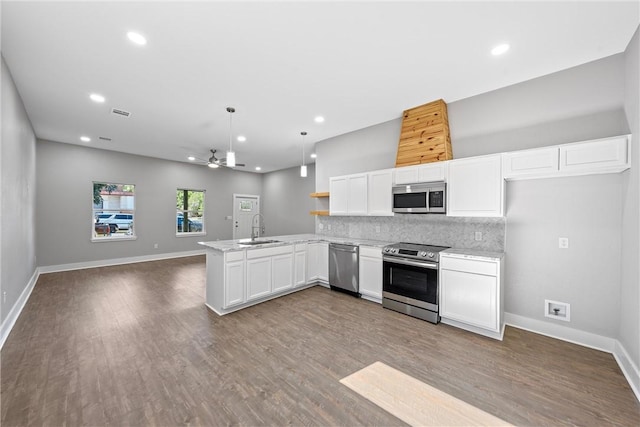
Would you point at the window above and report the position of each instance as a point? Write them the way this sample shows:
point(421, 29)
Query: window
point(113, 211)
point(189, 212)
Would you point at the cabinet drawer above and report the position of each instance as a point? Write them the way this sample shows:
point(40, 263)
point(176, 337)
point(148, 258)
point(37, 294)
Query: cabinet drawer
point(370, 252)
point(278, 250)
point(301, 247)
point(234, 256)
point(487, 268)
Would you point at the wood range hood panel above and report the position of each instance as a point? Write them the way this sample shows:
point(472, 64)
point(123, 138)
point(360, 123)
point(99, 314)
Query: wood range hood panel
point(424, 135)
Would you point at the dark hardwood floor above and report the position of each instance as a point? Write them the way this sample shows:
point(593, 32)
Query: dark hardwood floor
point(135, 345)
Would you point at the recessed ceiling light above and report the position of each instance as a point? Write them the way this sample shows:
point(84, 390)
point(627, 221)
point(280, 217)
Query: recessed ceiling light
point(191, 158)
point(258, 168)
point(241, 138)
point(500, 49)
point(96, 97)
point(319, 119)
point(85, 139)
point(137, 38)
point(313, 155)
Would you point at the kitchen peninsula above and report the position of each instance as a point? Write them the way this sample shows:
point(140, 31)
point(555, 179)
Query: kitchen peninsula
point(242, 273)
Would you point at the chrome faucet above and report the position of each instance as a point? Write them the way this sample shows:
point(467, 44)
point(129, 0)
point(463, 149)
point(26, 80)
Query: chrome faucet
point(254, 227)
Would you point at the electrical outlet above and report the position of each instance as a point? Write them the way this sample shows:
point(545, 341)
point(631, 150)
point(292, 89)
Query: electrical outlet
point(155, 246)
point(377, 228)
point(478, 236)
point(4, 297)
point(563, 242)
point(321, 226)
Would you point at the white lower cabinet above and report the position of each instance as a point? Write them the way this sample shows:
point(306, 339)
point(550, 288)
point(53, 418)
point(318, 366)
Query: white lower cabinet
point(234, 283)
point(258, 277)
point(370, 270)
point(300, 275)
point(282, 272)
point(471, 293)
point(269, 270)
point(312, 261)
point(323, 262)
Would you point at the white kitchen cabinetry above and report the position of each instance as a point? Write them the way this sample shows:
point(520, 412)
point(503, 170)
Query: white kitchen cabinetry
point(300, 275)
point(607, 155)
point(348, 195)
point(269, 270)
point(318, 262)
point(234, 279)
point(530, 163)
point(475, 187)
point(380, 201)
point(370, 266)
point(597, 156)
point(471, 293)
point(436, 171)
point(282, 272)
point(323, 262)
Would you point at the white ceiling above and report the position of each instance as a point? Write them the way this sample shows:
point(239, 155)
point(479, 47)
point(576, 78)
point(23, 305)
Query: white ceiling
point(279, 64)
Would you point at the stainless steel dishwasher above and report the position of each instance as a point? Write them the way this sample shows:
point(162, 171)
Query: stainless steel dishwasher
point(343, 268)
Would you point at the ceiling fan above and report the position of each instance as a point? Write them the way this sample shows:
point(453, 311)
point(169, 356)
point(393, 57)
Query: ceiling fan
point(230, 160)
point(215, 162)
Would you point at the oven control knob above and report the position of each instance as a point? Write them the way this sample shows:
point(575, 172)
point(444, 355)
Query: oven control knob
point(431, 254)
point(394, 250)
point(386, 249)
point(423, 253)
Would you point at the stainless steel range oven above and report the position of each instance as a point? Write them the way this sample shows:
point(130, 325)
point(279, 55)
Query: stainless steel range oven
point(410, 282)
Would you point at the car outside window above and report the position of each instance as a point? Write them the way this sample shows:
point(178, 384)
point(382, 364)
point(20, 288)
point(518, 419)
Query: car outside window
point(189, 212)
point(113, 210)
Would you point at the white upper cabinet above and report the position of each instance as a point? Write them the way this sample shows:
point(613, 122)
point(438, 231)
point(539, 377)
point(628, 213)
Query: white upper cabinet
point(607, 155)
point(380, 198)
point(348, 195)
point(430, 172)
point(598, 156)
point(530, 163)
point(475, 187)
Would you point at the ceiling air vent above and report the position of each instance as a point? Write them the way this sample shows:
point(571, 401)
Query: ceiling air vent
point(119, 112)
point(104, 138)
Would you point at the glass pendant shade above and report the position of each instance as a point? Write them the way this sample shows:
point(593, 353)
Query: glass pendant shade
point(303, 171)
point(231, 159)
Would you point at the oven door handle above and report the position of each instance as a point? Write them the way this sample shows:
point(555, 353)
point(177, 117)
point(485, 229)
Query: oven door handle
point(404, 261)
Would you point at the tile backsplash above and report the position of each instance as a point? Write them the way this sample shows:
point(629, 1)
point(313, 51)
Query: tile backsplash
point(432, 229)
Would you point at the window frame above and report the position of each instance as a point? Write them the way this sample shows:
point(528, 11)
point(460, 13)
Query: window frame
point(203, 232)
point(95, 211)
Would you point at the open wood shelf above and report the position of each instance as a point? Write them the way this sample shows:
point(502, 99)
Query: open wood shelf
point(316, 195)
point(319, 213)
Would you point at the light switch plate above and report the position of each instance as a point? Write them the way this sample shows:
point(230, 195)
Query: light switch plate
point(563, 242)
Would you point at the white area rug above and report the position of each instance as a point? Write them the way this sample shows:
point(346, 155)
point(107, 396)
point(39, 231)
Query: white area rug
point(413, 401)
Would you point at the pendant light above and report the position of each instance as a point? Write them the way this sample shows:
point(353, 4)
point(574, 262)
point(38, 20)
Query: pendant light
point(303, 168)
point(231, 156)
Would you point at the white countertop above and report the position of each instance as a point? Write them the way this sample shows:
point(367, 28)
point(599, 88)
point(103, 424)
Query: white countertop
point(234, 245)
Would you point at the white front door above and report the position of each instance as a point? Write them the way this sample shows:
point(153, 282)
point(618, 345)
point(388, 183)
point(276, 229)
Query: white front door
point(245, 207)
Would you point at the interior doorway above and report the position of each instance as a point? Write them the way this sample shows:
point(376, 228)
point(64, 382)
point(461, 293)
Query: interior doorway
point(245, 207)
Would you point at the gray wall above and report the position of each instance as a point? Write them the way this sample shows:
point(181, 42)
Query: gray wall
point(576, 104)
point(630, 260)
point(18, 155)
point(63, 206)
point(286, 202)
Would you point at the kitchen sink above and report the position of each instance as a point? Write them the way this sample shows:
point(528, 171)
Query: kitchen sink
point(257, 242)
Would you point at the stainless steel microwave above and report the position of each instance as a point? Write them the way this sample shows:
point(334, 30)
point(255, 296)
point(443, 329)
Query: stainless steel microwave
point(428, 197)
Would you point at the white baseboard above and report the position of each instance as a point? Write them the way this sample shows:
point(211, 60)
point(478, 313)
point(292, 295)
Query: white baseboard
point(586, 339)
point(10, 320)
point(561, 332)
point(118, 261)
point(628, 367)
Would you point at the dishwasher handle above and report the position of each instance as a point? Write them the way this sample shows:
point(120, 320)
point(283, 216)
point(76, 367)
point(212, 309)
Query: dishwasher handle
point(343, 248)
